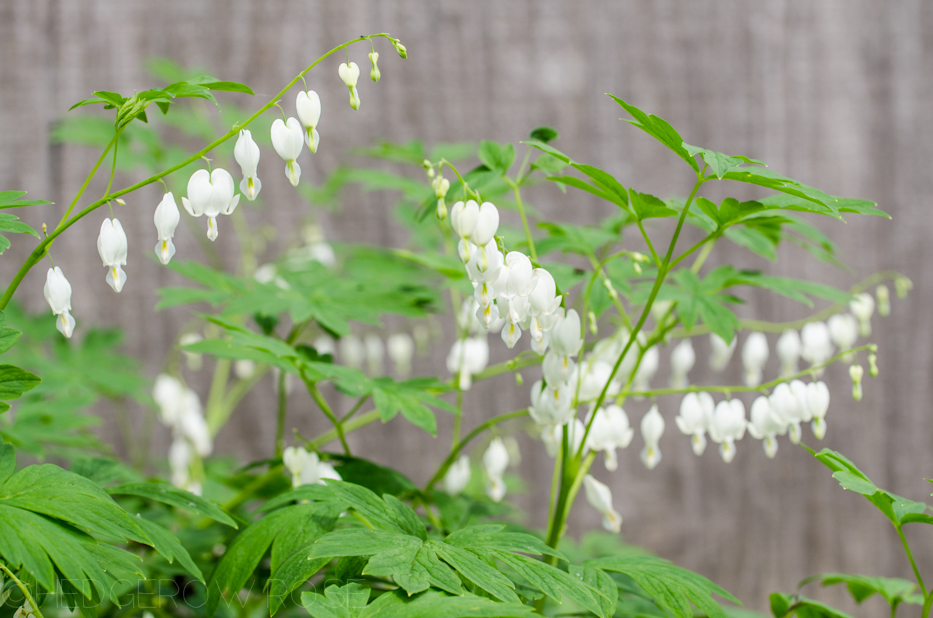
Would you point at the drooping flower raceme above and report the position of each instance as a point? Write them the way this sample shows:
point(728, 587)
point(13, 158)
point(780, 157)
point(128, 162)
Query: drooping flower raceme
point(696, 414)
point(458, 476)
point(765, 425)
point(722, 351)
point(754, 357)
point(349, 72)
point(180, 409)
point(468, 357)
point(652, 428)
point(495, 462)
point(210, 194)
point(600, 498)
point(288, 139)
point(246, 152)
point(862, 307)
point(682, 360)
point(112, 247)
point(728, 425)
point(610, 430)
point(308, 105)
point(58, 295)
point(166, 219)
point(788, 350)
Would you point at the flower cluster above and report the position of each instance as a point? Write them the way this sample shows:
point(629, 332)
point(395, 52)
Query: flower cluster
point(180, 409)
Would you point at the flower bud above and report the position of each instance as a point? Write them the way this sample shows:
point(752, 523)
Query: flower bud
point(441, 209)
point(402, 51)
point(612, 291)
point(374, 73)
point(592, 320)
point(873, 365)
point(884, 300)
point(902, 285)
point(856, 372)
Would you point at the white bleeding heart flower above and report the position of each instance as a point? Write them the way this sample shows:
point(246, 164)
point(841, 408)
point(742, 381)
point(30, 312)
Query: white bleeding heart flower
point(484, 265)
point(754, 357)
point(682, 360)
point(468, 357)
point(799, 389)
point(696, 414)
point(463, 219)
point(566, 338)
point(600, 498)
point(788, 350)
point(862, 307)
point(551, 404)
point(818, 402)
point(722, 351)
point(316, 471)
point(843, 331)
point(244, 369)
point(210, 194)
point(112, 247)
point(352, 351)
point(650, 362)
point(308, 106)
point(610, 430)
point(487, 223)
point(495, 462)
point(166, 219)
point(728, 425)
point(458, 476)
point(652, 428)
point(401, 349)
point(375, 351)
point(293, 458)
point(553, 436)
point(515, 276)
point(816, 344)
point(544, 299)
point(288, 139)
point(786, 407)
point(765, 425)
point(246, 152)
point(557, 369)
point(595, 375)
point(349, 72)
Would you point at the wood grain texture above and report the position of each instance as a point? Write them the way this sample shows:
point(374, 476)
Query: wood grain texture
point(833, 93)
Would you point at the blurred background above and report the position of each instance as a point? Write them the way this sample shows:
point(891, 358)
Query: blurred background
point(833, 93)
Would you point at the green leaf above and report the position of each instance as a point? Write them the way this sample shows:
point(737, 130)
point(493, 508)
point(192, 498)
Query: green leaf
point(11, 199)
point(659, 129)
point(346, 601)
point(815, 200)
point(15, 381)
point(554, 152)
point(647, 206)
point(228, 87)
point(291, 573)
point(544, 134)
point(168, 494)
point(894, 590)
point(169, 547)
point(497, 157)
point(7, 461)
point(477, 571)
point(553, 582)
point(670, 586)
point(850, 477)
point(718, 162)
point(787, 605)
point(378, 479)
point(490, 537)
point(601, 581)
point(368, 506)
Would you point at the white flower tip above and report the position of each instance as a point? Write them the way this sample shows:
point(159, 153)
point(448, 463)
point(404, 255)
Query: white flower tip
point(212, 231)
point(65, 324)
point(116, 278)
point(292, 172)
point(165, 250)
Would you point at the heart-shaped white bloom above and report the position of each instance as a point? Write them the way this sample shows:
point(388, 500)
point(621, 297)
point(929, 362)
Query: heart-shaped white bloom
point(595, 374)
point(799, 389)
point(553, 436)
point(194, 428)
point(463, 219)
point(652, 428)
point(863, 306)
point(58, 294)
point(550, 405)
point(610, 430)
point(244, 369)
point(375, 351)
point(458, 476)
point(484, 265)
point(495, 462)
point(544, 299)
point(168, 394)
point(728, 426)
point(818, 403)
point(246, 152)
point(293, 458)
point(487, 223)
point(786, 407)
point(696, 414)
point(765, 425)
point(557, 369)
point(316, 471)
point(650, 362)
point(843, 330)
point(468, 357)
point(401, 348)
point(817, 346)
point(600, 498)
point(166, 219)
point(308, 105)
point(566, 337)
point(180, 456)
point(349, 72)
point(754, 357)
point(112, 247)
point(288, 139)
point(352, 351)
point(210, 194)
point(788, 350)
point(515, 276)
point(722, 351)
point(682, 360)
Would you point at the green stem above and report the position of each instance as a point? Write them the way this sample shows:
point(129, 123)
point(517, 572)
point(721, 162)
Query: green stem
point(529, 360)
point(216, 395)
point(707, 249)
point(87, 180)
point(458, 418)
point(654, 254)
point(521, 211)
point(23, 588)
point(39, 252)
point(913, 565)
point(928, 600)
point(250, 490)
point(452, 457)
point(322, 403)
point(356, 408)
point(220, 414)
point(348, 427)
point(113, 167)
point(280, 416)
